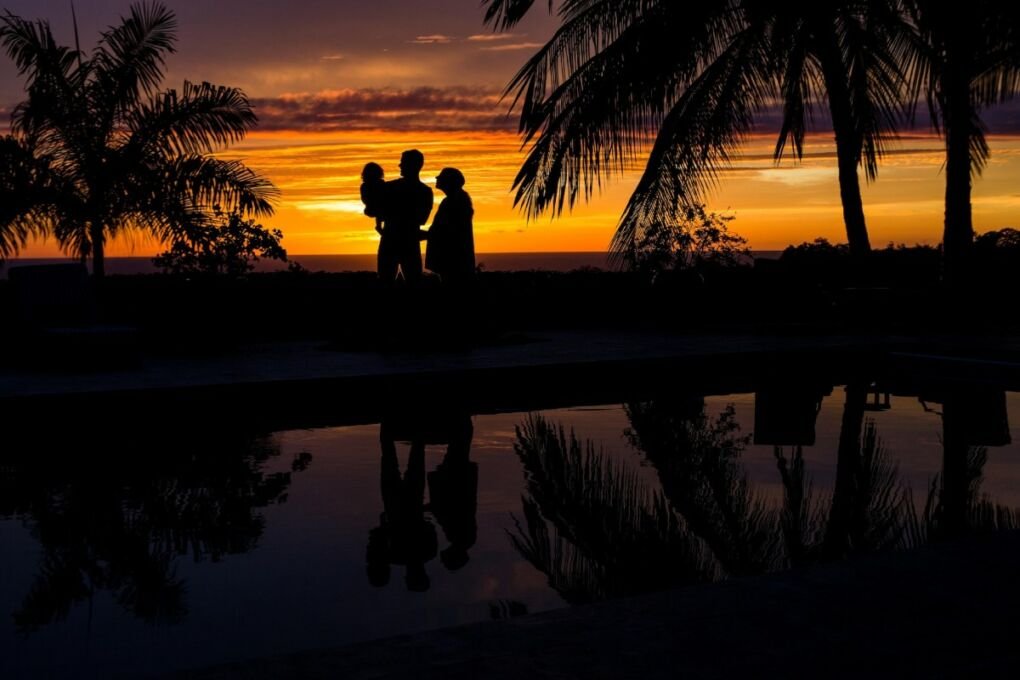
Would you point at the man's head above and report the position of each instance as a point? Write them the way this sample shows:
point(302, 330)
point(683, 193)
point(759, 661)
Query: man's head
point(411, 163)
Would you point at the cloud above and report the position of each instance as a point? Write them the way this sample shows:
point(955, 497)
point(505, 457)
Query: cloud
point(419, 109)
point(1003, 119)
point(435, 39)
point(491, 37)
point(333, 57)
point(512, 47)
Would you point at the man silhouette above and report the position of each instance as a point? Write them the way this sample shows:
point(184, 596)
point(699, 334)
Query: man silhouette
point(408, 203)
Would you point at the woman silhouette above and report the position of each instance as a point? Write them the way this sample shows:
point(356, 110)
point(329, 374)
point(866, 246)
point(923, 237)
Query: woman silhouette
point(450, 251)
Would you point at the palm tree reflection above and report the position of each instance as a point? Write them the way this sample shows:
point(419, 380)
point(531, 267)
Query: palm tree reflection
point(972, 419)
point(593, 527)
point(870, 508)
point(118, 521)
point(599, 529)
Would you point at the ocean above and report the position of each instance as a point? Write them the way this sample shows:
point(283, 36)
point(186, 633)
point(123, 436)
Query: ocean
point(558, 262)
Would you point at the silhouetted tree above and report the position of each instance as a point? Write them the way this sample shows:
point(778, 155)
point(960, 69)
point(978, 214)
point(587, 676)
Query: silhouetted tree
point(21, 192)
point(110, 151)
point(117, 521)
point(695, 77)
point(696, 241)
point(230, 249)
point(967, 59)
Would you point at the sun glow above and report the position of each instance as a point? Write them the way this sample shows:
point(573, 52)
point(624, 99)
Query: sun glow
point(320, 210)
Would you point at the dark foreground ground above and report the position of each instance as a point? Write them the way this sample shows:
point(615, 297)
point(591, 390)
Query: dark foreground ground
point(936, 612)
point(303, 350)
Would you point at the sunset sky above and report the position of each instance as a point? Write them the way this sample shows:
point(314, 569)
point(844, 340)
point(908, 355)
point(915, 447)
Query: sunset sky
point(337, 83)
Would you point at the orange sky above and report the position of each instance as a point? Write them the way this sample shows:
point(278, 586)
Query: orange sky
point(320, 209)
point(338, 84)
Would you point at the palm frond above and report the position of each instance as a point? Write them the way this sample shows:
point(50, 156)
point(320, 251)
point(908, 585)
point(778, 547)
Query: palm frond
point(699, 135)
point(36, 198)
point(53, 79)
point(594, 527)
point(505, 14)
point(697, 460)
point(34, 51)
point(74, 237)
point(130, 58)
point(19, 179)
point(226, 183)
point(878, 86)
point(801, 518)
point(796, 89)
point(592, 98)
point(173, 200)
point(980, 152)
point(201, 119)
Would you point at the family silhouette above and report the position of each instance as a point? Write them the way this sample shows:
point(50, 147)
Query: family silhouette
point(401, 207)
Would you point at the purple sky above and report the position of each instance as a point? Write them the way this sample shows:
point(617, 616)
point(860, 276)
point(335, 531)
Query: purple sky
point(310, 47)
point(342, 64)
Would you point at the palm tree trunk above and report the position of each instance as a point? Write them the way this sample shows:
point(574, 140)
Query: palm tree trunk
point(97, 236)
point(848, 149)
point(850, 195)
point(958, 234)
point(955, 489)
point(838, 541)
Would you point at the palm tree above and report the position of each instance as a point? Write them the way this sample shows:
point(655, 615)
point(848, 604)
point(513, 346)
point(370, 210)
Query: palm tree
point(111, 152)
point(967, 59)
point(696, 77)
point(21, 191)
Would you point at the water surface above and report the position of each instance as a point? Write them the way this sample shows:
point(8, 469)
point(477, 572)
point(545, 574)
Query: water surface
point(179, 548)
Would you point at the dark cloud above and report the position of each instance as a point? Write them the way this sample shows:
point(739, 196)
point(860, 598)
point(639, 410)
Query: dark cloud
point(423, 108)
point(1003, 119)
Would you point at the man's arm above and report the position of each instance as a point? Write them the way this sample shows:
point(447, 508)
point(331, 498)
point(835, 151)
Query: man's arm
point(426, 205)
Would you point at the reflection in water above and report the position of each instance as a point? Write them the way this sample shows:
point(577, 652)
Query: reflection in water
point(117, 521)
point(405, 535)
point(698, 463)
point(687, 499)
point(593, 527)
point(599, 530)
point(972, 419)
point(870, 510)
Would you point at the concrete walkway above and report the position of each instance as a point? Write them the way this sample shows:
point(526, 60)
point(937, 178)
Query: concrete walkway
point(313, 361)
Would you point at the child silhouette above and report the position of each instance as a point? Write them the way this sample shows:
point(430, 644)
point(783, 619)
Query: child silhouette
point(373, 187)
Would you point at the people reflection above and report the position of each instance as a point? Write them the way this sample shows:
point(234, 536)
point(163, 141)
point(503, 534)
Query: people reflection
point(453, 493)
point(405, 535)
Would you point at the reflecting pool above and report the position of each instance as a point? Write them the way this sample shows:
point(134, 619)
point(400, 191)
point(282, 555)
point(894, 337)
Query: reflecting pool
point(182, 547)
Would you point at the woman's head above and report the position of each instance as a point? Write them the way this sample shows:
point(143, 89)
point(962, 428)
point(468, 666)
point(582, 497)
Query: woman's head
point(450, 179)
point(372, 172)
